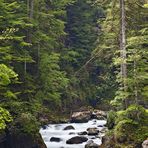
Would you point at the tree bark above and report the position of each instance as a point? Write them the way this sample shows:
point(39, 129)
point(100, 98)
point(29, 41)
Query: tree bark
point(123, 48)
point(31, 9)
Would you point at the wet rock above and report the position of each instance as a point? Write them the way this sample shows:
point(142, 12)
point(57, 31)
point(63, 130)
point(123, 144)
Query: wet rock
point(91, 144)
point(93, 138)
point(44, 127)
point(71, 133)
point(100, 126)
point(81, 117)
point(82, 133)
point(92, 131)
point(55, 139)
point(145, 144)
point(103, 130)
point(70, 127)
point(76, 140)
point(98, 136)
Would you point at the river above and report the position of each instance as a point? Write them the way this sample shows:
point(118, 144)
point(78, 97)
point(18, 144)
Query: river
point(56, 130)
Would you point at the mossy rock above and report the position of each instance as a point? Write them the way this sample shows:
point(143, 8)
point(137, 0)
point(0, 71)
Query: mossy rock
point(124, 130)
point(130, 126)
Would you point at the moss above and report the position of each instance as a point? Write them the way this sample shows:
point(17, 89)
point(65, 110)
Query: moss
point(122, 129)
point(130, 127)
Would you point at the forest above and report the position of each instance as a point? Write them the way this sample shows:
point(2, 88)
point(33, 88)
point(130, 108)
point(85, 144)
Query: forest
point(58, 56)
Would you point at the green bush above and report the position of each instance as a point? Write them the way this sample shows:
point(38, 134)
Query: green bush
point(28, 123)
point(134, 112)
point(111, 119)
point(5, 118)
point(131, 125)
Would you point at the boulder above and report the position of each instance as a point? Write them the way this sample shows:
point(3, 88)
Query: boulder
point(91, 144)
point(98, 114)
point(108, 142)
point(85, 115)
point(103, 130)
point(55, 139)
point(92, 131)
point(76, 140)
point(82, 133)
point(70, 127)
point(145, 144)
point(81, 117)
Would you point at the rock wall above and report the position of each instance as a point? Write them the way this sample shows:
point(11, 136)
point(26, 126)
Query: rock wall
point(13, 140)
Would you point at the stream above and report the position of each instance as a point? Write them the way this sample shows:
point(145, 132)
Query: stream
point(56, 130)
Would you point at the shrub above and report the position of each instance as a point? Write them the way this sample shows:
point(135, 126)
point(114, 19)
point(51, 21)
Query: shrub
point(111, 119)
point(5, 118)
point(28, 123)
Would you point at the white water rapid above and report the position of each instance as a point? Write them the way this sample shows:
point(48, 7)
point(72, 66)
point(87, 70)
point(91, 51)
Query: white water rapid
point(56, 130)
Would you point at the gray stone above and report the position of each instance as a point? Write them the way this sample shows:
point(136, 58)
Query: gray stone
point(55, 139)
point(91, 144)
point(76, 140)
point(82, 133)
point(70, 127)
point(92, 131)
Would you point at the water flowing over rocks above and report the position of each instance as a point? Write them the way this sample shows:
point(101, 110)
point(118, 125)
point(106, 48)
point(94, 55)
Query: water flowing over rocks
point(78, 137)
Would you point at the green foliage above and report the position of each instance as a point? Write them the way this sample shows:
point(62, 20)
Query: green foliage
point(135, 113)
point(45, 44)
point(7, 75)
point(131, 124)
point(5, 118)
point(53, 80)
point(82, 31)
point(111, 118)
point(28, 123)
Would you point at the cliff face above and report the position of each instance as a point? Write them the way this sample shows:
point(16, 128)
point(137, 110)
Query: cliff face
point(13, 140)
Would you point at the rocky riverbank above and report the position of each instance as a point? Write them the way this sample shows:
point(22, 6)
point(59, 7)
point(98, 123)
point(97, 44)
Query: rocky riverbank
point(20, 140)
point(85, 129)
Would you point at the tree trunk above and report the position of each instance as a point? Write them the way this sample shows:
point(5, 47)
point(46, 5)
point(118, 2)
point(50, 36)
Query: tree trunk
point(123, 48)
point(135, 79)
point(31, 9)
